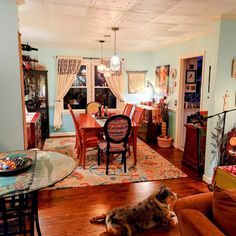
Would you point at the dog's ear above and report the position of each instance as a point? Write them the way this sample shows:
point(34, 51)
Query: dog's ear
point(163, 193)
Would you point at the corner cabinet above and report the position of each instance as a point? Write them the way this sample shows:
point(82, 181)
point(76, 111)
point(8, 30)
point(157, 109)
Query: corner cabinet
point(36, 96)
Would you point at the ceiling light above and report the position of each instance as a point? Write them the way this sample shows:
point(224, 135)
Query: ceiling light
point(115, 60)
point(102, 65)
point(102, 68)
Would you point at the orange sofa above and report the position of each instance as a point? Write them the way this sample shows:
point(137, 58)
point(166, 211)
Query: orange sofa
point(207, 214)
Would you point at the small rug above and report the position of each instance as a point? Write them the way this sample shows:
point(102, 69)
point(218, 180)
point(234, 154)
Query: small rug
point(150, 166)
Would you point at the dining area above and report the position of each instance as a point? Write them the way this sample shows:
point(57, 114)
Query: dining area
point(110, 133)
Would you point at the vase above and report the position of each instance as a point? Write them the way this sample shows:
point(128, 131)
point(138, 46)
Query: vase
point(163, 129)
point(164, 142)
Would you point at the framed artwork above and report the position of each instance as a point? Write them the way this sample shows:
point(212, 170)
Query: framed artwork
point(190, 76)
point(161, 80)
point(190, 88)
point(136, 81)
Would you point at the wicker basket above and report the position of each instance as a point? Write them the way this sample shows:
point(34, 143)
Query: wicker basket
point(164, 142)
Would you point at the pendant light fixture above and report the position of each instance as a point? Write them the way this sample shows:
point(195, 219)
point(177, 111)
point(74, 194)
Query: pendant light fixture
point(102, 65)
point(115, 60)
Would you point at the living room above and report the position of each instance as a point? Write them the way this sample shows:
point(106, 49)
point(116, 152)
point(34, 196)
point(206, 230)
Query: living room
point(215, 44)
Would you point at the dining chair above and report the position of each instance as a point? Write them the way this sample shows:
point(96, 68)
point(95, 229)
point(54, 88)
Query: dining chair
point(91, 138)
point(127, 110)
point(117, 130)
point(137, 118)
point(92, 107)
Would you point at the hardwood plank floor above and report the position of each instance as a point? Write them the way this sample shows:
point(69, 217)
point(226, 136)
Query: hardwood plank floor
point(67, 211)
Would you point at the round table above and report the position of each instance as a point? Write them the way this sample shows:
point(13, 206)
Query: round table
point(48, 168)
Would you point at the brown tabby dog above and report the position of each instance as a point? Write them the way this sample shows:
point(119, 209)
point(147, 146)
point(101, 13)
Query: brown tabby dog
point(153, 211)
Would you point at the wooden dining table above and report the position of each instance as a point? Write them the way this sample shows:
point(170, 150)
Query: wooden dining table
point(89, 124)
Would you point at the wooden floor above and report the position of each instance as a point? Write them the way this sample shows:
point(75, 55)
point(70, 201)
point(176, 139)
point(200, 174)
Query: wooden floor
point(67, 212)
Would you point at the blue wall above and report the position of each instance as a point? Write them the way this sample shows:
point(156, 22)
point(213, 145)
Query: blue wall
point(132, 61)
point(11, 119)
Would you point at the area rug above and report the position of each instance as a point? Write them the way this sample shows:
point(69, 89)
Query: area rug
point(150, 166)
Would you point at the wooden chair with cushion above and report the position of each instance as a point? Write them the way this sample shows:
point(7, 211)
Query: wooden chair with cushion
point(117, 130)
point(127, 110)
point(91, 139)
point(92, 107)
point(137, 118)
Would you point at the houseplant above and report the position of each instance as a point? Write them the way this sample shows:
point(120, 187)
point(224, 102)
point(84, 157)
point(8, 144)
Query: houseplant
point(164, 140)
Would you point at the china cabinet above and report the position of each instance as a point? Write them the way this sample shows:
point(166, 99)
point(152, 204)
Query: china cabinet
point(36, 96)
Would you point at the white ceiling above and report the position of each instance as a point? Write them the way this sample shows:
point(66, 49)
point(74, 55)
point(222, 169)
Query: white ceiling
point(145, 25)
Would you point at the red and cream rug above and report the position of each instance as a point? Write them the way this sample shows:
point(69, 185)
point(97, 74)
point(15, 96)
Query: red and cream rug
point(150, 166)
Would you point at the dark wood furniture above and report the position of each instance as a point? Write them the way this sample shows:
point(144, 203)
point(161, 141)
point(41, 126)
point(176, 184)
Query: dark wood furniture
point(36, 96)
point(194, 150)
point(148, 131)
point(34, 132)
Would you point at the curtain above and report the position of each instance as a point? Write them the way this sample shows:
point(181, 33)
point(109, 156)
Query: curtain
point(115, 83)
point(67, 69)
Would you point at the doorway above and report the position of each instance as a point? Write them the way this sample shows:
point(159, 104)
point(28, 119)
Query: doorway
point(190, 94)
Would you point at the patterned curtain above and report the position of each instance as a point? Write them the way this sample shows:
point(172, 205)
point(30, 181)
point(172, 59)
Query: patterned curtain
point(67, 69)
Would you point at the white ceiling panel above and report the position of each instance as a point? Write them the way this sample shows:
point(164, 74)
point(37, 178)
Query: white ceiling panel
point(144, 24)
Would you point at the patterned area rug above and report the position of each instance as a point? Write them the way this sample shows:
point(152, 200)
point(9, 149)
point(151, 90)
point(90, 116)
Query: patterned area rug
point(150, 166)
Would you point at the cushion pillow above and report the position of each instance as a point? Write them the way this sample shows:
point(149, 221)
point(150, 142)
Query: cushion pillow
point(224, 210)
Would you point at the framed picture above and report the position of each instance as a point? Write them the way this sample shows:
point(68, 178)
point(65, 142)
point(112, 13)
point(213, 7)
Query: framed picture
point(190, 76)
point(161, 79)
point(190, 88)
point(136, 81)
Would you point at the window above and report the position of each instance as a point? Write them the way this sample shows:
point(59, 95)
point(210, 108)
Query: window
point(89, 85)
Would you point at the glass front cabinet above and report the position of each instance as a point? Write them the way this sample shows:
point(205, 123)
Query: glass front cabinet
point(36, 96)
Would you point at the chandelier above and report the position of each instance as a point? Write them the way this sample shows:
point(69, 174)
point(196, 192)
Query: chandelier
point(115, 60)
point(102, 68)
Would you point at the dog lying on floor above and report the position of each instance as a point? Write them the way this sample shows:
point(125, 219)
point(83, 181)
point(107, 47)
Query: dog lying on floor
point(153, 211)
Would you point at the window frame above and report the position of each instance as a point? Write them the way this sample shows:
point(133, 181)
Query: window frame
point(90, 85)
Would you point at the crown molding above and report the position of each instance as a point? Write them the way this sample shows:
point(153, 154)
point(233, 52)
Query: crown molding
point(228, 17)
point(20, 2)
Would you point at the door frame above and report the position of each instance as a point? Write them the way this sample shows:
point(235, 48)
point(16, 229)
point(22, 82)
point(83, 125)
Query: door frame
point(181, 89)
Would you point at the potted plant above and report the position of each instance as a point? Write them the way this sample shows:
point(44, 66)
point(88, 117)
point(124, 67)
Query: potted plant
point(164, 140)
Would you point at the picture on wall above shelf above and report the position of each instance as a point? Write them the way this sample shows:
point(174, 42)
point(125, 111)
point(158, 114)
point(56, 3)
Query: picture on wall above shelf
point(190, 76)
point(136, 81)
point(190, 88)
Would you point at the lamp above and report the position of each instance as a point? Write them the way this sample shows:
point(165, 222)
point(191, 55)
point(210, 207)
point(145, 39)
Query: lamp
point(151, 90)
point(232, 148)
point(115, 60)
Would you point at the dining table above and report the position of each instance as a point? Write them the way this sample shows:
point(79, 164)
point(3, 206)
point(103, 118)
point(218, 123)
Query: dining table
point(19, 187)
point(89, 123)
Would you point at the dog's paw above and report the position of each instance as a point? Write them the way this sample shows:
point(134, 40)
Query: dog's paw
point(172, 214)
point(176, 220)
point(173, 221)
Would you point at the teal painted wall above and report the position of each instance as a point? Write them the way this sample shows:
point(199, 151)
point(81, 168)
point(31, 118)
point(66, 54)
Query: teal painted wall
point(172, 124)
point(223, 81)
point(11, 123)
point(212, 46)
point(132, 61)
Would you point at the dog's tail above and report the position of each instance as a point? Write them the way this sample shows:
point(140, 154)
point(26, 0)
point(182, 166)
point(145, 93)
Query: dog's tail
point(98, 219)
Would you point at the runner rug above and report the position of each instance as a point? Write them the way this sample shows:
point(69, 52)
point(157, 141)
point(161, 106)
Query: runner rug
point(150, 166)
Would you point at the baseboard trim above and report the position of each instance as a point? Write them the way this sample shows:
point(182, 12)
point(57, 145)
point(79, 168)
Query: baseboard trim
point(62, 134)
point(207, 179)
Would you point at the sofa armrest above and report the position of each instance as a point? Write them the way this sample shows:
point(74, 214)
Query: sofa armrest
point(201, 202)
point(195, 223)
